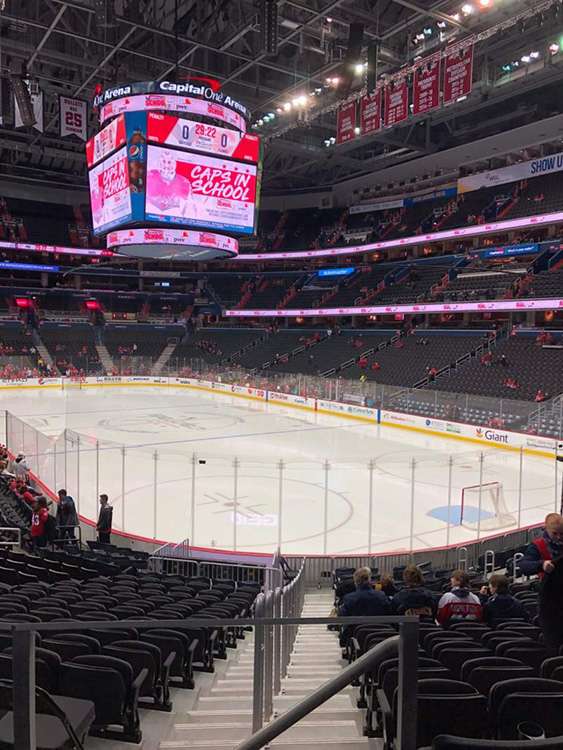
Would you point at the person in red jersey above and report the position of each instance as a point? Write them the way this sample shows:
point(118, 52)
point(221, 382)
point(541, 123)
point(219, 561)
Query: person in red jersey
point(459, 604)
point(39, 519)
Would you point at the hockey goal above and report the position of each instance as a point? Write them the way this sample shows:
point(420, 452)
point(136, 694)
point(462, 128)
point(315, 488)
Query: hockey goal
point(492, 504)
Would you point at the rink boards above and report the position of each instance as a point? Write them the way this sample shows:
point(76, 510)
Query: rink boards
point(482, 435)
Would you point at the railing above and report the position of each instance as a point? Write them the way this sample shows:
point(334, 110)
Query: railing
point(16, 542)
point(275, 626)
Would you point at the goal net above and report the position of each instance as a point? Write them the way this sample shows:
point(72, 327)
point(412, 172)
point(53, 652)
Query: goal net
point(486, 500)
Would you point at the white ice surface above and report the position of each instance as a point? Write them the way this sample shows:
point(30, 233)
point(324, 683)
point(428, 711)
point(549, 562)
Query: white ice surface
point(322, 461)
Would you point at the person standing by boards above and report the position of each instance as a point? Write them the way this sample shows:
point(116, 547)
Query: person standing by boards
point(105, 518)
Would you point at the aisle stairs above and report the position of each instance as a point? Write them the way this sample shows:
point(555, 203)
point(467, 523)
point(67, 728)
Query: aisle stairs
point(165, 355)
point(105, 358)
point(222, 714)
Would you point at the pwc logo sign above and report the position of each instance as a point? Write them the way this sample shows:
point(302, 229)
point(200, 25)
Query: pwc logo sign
point(491, 435)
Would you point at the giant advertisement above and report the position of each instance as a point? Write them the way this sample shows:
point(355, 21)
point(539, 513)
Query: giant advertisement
point(513, 173)
point(148, 102)
point(107, 140)
point(110, 196)
point(198, 136)
point(200, 190)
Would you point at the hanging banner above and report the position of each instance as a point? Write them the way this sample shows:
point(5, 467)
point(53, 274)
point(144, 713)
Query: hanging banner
point(396, 102)
point(426, 87)
point(73, 117)
point(458, 73)
point(370, 112)
point(37, 104)
point(346, 122)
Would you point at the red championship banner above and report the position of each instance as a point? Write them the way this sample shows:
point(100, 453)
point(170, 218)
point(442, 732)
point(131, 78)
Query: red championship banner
point(426, 86)
point(370, 112)
point(346, 122)
point(458, 73)
point(396, 102)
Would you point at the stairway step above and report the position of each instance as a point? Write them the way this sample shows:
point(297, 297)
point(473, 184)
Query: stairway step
point(228, 730)
point(281, 702)
point(281, 742)
point(220, 715)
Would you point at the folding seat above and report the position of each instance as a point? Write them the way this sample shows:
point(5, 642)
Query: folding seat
point(533, 654)
point(110, 684)
point(20, 617)
point(486, 661)
point(183, 647)
point(496, 638)
point(7, 608)
point(86, 606)
point(447, 706)
point(453, 658)
point(527, 699)
point(47, 668)
point(105, 637)
point(43, 674)
point(437, 634)
point(483, 678)
point(96, 616)
point(66, 649)
point(549, 666)
point(87, 640)
point(439, 645)
point(47, 614)
point(142, 655)
point(123, 611)
point(449, 742)
point(474, 630)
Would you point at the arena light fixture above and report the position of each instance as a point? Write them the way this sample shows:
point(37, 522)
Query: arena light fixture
point(358, 69)
point(467, 9)
point(287, 106)
point(525, 59)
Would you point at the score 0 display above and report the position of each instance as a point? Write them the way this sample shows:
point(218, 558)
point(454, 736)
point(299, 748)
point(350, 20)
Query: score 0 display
point(167, 130)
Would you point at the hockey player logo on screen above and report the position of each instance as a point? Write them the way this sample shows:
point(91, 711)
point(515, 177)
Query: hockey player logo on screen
point(169, 192)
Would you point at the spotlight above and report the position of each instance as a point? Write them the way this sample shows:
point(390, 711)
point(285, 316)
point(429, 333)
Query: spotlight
point(357, 131)
point(358, 69)
point(467, 9)
point(287, 106)
point(484, 3)
point(441, 24)
point(534, 55)
point(525, 59)
point(427, 31)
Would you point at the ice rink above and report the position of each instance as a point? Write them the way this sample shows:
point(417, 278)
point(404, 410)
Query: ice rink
point(284, 475)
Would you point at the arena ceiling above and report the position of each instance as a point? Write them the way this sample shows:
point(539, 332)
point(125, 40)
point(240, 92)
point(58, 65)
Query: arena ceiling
point(70, 46)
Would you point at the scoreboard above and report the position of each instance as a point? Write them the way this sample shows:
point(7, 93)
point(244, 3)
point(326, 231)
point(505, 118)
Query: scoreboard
point(167, 168)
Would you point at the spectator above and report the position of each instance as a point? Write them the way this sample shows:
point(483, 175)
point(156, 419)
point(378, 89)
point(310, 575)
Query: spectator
point(459, 603)
point(387, 585)
point(365, 600)
point(103, 527)
point(414, 599)
point(539, 555)
point(540, 396)
point(20, 467)
point(503, 360)
point(67, 517)
point(498, 603)
point(39, 519)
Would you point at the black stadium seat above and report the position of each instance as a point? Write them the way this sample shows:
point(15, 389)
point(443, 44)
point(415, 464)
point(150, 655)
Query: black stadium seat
point(114, 690)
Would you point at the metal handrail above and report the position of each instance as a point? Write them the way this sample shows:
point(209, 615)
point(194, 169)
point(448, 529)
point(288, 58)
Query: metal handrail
point(385, 650)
